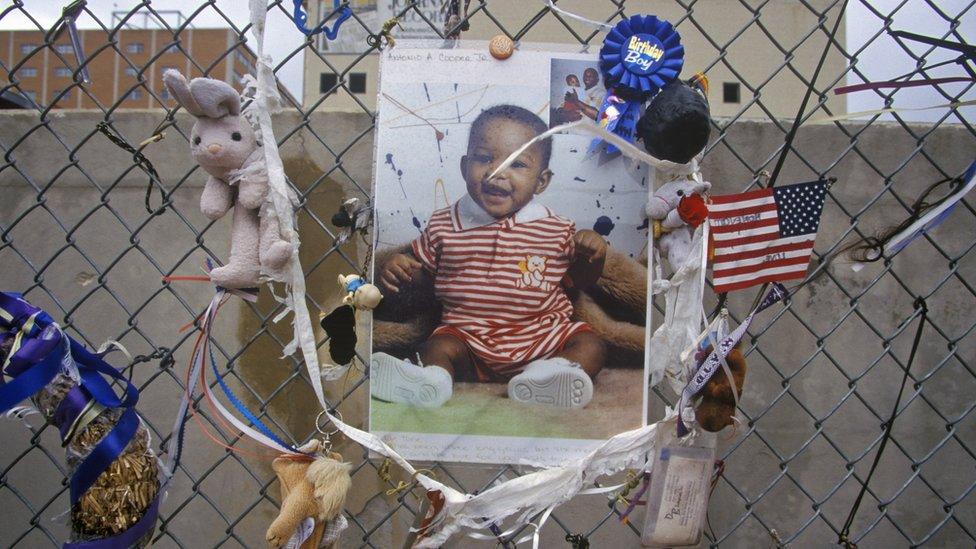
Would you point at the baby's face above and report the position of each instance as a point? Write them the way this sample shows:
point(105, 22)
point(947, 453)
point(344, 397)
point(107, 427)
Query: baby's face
point(513, 187)
point(572, 80)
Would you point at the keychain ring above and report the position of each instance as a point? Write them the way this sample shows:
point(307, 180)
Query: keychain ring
point(318, 419)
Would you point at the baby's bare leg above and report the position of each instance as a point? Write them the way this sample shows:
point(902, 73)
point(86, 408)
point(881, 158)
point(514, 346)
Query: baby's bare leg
point(587, 349)
point(450, 353)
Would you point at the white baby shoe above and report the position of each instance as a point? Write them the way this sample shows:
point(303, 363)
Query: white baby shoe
point(553, 382)
point(396, 380)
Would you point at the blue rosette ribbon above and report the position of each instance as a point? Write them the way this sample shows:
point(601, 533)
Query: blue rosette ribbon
point(639, 56)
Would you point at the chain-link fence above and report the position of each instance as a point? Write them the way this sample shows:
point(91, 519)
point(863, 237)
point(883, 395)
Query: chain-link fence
point(78, 240)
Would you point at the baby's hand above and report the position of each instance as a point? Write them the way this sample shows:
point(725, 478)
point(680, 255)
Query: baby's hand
point(400, 269)
point(590, 245)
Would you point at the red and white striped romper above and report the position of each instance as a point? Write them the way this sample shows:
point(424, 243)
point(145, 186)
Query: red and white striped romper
point(500, 283)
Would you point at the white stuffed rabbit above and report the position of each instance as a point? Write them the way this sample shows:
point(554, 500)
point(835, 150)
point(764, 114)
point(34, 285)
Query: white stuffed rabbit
point(224, 144)
point(676, 231)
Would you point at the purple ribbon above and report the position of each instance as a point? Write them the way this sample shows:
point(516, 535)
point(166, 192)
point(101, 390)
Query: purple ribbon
point(35, 364)
point(714, 361)
point(70, 408)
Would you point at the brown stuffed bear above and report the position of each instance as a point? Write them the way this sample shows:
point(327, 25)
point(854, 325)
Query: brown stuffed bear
point(614, 307)
point(717, 406)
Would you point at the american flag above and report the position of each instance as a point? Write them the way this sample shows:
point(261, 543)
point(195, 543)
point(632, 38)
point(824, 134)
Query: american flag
point(765, 235)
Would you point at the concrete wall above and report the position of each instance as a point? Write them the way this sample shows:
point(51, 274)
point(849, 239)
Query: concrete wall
point(82, 246)
point(710, 33)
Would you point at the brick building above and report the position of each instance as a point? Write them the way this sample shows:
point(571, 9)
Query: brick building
point(123, 72)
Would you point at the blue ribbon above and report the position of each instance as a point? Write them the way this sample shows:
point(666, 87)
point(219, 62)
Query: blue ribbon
point(618, 116)
point(244, 409)
point(641, 55)
point(301, 18)
point(38, 361)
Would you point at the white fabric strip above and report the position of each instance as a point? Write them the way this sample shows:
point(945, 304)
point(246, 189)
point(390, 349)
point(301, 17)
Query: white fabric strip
point(851, 115)
point(265, 100)
point(580, 18)
point(526, 495)
point(591, 127)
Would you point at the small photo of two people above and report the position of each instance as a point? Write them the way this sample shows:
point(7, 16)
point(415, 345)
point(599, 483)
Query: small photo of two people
point(576, 91)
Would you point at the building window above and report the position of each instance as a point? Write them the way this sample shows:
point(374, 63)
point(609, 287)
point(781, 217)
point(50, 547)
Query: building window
point(730, 92)
point(64, 49)
point(27, 72)
point(63, 72)
point(164, 93)
point(134, 95)
point(172, 48)
point(27, 48)
point(135, 47)
point(32, 95)
point(357, 82)
point(327, 81)
point(54, 96)
point(131, 71)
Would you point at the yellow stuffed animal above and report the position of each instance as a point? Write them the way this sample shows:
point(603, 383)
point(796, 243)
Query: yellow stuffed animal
point(310, 488)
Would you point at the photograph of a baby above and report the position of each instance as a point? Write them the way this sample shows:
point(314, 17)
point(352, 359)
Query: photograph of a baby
point(499, 261)
point(494, 342)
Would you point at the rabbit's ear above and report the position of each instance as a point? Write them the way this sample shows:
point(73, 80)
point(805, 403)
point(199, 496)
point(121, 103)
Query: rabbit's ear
point(216, 97)
point(176, 84)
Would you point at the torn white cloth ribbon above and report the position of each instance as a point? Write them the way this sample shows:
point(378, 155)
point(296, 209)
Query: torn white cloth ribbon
point(527, 495)
point(267, 99)
point(628, 149)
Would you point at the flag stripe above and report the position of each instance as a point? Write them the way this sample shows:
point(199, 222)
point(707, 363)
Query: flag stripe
point(760, 250)
point(755, 221)
point(768, 258)
point(754, 265)
point(716, 214)
point(769, 232)
point(731, 287)
point(746, 196)
point(797, 271)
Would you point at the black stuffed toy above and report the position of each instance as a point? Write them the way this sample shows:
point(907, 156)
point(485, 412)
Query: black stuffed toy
point(677, 123)
point(340, 324)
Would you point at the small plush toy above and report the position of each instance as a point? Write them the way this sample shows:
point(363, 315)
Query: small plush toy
point(717, 406)
point(225, 145)
point(676, 208)
point(359, 293)
point(340, 324)
point(677, 123)
point(311, 487)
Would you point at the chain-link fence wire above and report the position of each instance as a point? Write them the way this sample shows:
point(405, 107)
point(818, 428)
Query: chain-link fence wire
point(823, 369)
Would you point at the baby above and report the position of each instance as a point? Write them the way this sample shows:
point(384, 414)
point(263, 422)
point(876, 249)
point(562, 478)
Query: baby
point(572, 93)
point(499, 262)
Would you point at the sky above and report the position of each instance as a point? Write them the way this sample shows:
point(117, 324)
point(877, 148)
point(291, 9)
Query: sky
point(882, 59)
